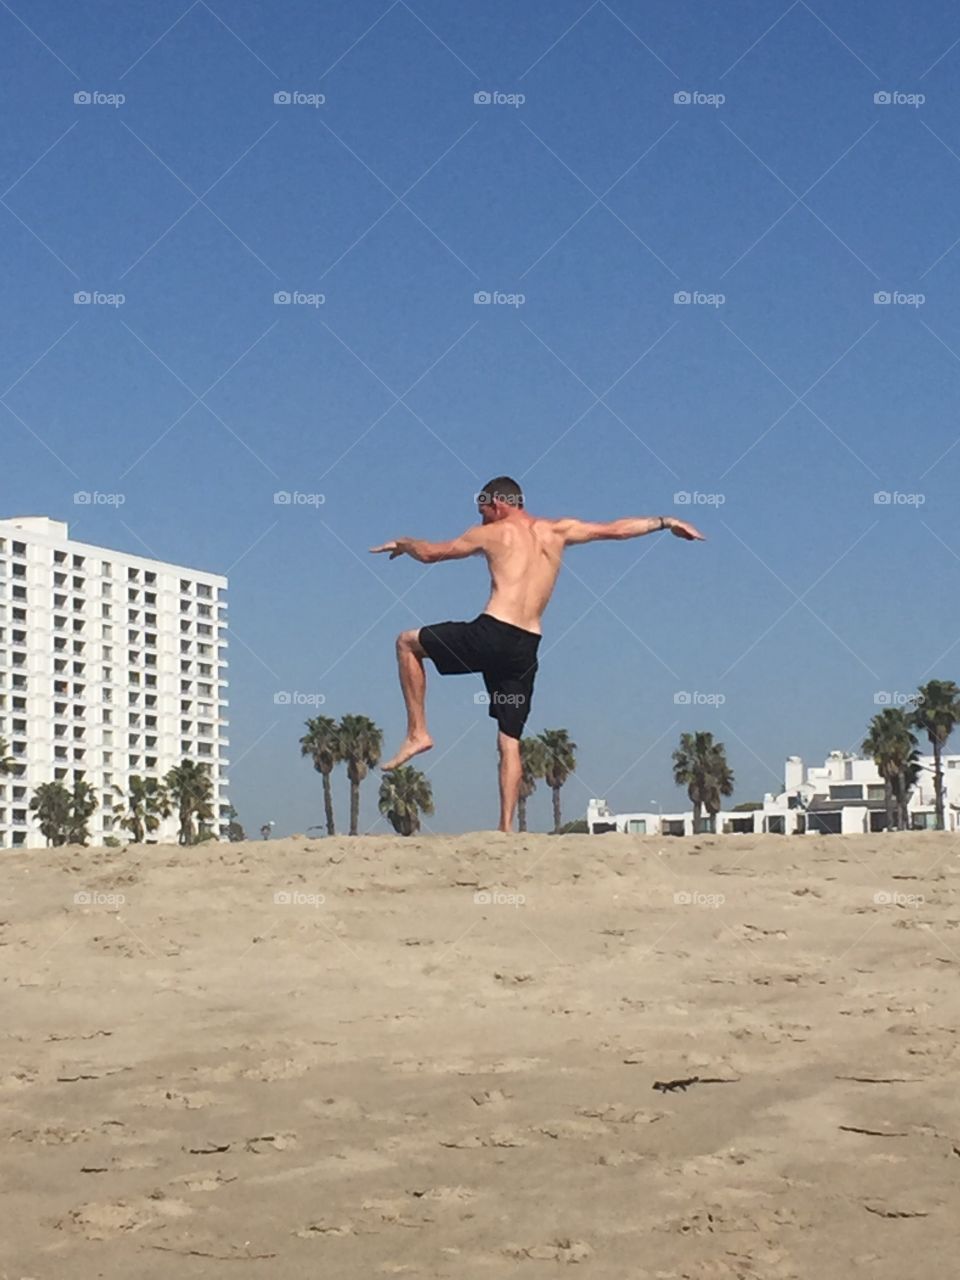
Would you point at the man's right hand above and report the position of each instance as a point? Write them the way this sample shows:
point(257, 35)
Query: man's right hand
point(395, 548)
point(680, 529)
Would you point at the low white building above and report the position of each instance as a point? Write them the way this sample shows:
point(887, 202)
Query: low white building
point(111, 665)
point(844, 795)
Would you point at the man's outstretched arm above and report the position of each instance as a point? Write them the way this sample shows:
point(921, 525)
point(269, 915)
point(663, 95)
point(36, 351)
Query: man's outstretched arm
point(468, 544)
point(576, 531)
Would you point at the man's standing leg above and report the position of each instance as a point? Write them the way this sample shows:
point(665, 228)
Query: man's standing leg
point(413, 682)
point(510, 773)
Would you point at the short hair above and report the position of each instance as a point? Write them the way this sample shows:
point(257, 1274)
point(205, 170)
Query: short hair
point(502, 489)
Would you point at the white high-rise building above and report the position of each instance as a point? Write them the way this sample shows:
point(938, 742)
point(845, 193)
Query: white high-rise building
point(111, 665)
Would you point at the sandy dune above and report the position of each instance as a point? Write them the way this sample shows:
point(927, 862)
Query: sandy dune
point(383, 1075)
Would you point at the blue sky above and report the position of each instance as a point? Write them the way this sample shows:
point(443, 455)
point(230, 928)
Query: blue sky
point(784, 409)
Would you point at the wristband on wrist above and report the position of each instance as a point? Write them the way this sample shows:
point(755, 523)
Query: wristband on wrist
point(663, 522)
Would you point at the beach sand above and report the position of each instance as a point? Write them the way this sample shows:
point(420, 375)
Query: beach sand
point(383, 1075)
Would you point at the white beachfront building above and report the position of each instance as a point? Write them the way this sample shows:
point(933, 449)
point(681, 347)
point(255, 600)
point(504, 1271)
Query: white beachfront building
point(111, 665)
point(844, 795)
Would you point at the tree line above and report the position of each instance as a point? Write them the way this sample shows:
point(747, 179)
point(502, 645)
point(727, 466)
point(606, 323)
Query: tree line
point(406, 793)
point(63, 813)
point(892, 742)
point(699, 764)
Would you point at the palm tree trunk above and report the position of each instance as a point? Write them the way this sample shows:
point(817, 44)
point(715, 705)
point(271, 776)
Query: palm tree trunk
point(328, 804)
point(696, 817)
point(354, 806)
point(938, 780)
point(888, 800)
point(521, 814)
point(556, 811)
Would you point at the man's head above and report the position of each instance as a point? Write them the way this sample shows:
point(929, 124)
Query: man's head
point(498, 499)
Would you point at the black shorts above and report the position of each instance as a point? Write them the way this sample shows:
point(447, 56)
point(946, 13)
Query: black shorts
point(505, 655)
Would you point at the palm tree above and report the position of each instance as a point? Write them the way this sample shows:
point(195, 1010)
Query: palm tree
point(235, 831)
point(700, 765)
point(405, 793)
point(558, 763)
point(190, 790)
point(83, 803)
point(149, 802)
point(321, 743)
point(936, 715)
point(7, 763)
point(903, 786)
point(893, 746)
point(361, 743)
point(533, 761)
point(51, 806)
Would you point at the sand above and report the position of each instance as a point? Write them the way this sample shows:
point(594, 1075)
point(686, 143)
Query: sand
point(383, 1075)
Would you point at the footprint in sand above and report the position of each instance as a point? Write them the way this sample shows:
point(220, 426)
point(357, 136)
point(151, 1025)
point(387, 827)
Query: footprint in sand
point(102, 1220)
point(561, 1250)
point(204, 1181)
point(617, 1113)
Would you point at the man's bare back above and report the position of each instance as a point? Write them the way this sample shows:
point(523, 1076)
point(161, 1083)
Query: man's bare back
point(524, 554)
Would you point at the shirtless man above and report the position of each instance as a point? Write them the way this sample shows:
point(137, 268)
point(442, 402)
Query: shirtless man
point(523, 555)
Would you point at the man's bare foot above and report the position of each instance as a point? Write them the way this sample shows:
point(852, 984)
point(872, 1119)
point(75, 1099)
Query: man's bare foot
point(408, 748)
